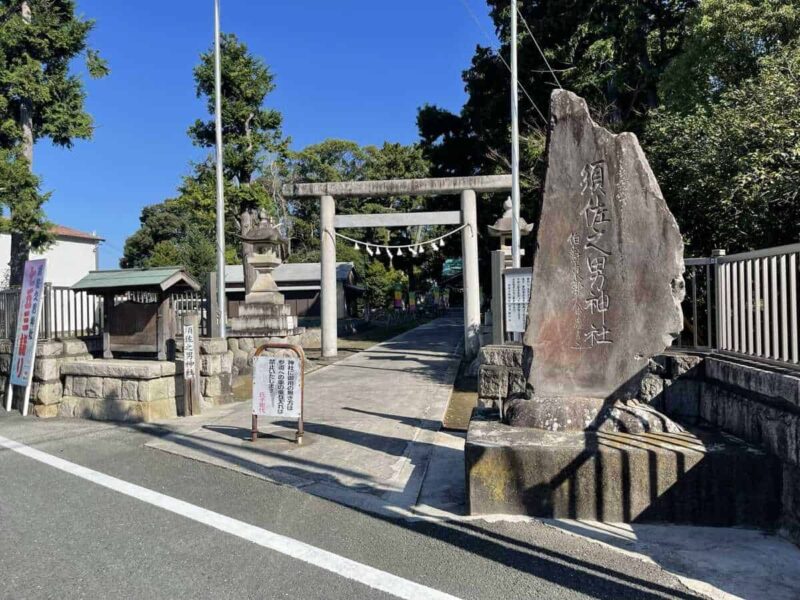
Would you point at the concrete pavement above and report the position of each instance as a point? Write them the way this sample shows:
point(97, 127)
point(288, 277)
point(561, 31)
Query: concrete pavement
point(64, 537)
point(372, 426)
point(386, 493)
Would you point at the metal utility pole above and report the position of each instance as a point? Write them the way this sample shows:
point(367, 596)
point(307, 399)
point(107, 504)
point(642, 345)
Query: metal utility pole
point(515, 238)
point(221, 298)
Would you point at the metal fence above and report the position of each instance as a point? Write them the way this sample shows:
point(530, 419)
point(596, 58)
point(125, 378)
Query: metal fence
point(70, 314)
point(65, 313)
point(9, 307)
point(744, 304)
point(757, 313)
point(183, 304)
point(698, 306)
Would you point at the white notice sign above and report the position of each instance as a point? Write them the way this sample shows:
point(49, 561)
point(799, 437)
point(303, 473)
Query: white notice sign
point(276, 386)
point(517, 297)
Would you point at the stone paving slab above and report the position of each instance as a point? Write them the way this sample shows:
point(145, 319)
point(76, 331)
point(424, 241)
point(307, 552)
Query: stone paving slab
point(371, 428)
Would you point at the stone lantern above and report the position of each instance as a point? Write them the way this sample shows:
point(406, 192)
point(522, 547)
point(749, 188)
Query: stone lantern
point(502, 229)
point(268, 246)
point(264, 312)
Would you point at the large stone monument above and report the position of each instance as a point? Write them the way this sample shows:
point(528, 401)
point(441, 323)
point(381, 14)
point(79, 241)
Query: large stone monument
point(573, 441)
point(608, 275)
point(264, 313)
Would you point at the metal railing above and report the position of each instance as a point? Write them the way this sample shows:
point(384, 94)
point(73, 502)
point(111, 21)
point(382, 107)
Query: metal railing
point(698, 306)
point(65, 313)
point(744, 304)
point(9, 308)
point(70, 314)
point(184, 304)
point(757, 313)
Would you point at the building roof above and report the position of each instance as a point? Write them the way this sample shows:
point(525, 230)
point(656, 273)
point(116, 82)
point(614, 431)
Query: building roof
point(62, 231)
point(157, 278)
point(290, 272)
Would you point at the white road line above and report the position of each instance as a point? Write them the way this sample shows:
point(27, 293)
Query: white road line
point(344, 567)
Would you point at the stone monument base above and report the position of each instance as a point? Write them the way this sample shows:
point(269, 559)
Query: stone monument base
point(264, 320)
point(697, 477)
point(264, 298)
point(590, 414)
point(121, 390)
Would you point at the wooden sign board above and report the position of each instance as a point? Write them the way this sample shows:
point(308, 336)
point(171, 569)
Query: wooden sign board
point(191, 367)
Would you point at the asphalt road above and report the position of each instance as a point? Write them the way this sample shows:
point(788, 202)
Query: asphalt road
point(62, 536)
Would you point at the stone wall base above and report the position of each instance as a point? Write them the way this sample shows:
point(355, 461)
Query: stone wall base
point(758, 403)
point(697, 478)
point(102, 409)
point(46, 384)
point(121, 390)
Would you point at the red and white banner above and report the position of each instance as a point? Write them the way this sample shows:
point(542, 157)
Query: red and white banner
point(30, 301)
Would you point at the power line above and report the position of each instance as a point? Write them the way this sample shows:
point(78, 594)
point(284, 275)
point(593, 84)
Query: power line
point(533, 37)
point(500, 56)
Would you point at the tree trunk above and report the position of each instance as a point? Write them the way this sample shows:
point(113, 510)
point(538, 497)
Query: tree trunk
point(20, 246)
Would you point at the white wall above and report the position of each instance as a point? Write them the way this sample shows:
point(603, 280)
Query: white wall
point(68, 261)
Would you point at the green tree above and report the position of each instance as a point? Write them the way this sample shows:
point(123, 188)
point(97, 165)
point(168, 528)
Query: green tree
point(253, 145)
point(611, 52)
point(40, 98)
point(725, 44)
point(251, 132)
point(727, 153)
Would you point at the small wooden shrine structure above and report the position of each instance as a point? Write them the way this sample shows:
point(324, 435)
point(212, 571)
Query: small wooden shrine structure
point(136, 306)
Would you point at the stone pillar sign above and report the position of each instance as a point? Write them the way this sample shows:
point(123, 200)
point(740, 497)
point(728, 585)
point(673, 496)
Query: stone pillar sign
point(607, 274)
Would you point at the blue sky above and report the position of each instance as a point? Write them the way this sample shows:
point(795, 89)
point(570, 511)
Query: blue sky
point(354, 69)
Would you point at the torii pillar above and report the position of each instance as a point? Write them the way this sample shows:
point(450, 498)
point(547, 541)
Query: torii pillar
point(469, 253)
point(328, 292)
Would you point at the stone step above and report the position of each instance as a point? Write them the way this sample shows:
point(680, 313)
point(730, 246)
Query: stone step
point(698, 477)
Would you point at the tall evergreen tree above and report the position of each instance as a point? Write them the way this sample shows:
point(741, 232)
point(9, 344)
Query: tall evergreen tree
point(40, 98)
point(253, 143)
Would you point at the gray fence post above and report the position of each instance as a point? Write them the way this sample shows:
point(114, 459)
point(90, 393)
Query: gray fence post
point(47, 317)
point(498, 316)
point(715, 341)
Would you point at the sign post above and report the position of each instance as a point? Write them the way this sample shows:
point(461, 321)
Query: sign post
point(517, 297)
point(279, 386)
point(398, 298)
point(191, 367)
point(27, 335)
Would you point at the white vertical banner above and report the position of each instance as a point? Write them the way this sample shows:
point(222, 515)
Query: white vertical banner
point(276, 386)
point(27, 336)
point(517, 297)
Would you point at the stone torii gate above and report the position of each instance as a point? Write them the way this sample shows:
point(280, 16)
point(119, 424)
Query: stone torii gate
point(467, 187)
